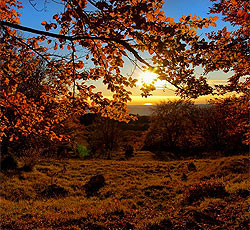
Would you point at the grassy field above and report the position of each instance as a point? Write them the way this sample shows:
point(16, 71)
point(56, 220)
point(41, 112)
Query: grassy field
point(140, 193)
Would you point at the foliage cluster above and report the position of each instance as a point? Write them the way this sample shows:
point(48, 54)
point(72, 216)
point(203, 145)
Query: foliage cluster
point(186, 129)
point(40, 89)
point(82, 150)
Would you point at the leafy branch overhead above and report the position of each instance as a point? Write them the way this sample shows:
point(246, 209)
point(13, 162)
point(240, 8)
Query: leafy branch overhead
point(98, 41)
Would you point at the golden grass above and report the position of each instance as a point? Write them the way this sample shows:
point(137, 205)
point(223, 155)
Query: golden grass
point(139, 194)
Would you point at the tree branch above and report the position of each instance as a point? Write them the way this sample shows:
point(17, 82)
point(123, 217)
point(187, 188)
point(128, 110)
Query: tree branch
point(74, 38)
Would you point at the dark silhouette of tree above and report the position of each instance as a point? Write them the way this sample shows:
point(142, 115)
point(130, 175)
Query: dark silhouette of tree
point(103, 136)
point(174, 127)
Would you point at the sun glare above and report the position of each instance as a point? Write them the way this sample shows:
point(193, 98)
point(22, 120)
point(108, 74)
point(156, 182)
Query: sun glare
point(150, 78)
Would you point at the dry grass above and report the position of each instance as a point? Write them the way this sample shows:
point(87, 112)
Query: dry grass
point(138, 194)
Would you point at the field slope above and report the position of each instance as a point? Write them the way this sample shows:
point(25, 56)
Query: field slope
point(140, 193)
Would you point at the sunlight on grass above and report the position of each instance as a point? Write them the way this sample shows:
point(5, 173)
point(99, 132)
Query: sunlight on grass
point(137, 193)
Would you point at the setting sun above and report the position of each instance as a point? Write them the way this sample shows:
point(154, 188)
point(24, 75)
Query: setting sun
point(150, 78)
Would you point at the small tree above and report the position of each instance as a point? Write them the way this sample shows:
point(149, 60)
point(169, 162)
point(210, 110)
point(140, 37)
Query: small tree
point(174, 127)
point(103, 136)
point(234, 113)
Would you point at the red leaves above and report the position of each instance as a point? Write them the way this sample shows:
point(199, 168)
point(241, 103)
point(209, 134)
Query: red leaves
point(80, 65)
point(48, 26)
point(215, 18)
point(43, 23)
point(56, 17)
point(55, 46)
point(53, 25)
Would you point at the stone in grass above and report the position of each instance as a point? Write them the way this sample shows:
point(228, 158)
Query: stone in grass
point(94, 184)
point(192, 167)
point(27, 168)
point(54, 190)
point(8, 163)
point(184, 177)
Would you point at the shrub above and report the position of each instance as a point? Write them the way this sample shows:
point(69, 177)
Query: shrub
point(205, 189)
point(83, 151)
point(30, 158)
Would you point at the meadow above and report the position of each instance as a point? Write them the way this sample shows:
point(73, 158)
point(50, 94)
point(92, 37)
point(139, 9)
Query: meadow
point(139, 193)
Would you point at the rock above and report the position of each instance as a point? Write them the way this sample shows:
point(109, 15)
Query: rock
point(94, 184)
point(8, 163)
point(27, 168)
point(184, 177)
point(192, 167)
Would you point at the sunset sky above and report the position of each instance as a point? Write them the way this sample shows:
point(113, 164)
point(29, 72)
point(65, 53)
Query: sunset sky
point(173, 8)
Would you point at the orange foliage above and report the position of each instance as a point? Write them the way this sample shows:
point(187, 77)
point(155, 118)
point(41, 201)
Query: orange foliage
point(116, 29)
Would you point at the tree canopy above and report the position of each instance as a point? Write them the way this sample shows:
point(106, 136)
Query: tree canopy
point(103, 37)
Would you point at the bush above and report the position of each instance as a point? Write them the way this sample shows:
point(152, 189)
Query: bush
point(205, 189)
point(83, 151)
point(30, 158)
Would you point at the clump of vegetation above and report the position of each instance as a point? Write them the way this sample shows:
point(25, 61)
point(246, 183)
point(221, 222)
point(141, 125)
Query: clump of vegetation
point(30, 158)
point(205, 189)
point(237, 166)
point(82, 150)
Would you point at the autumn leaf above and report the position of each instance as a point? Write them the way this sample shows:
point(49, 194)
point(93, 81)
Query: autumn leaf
point(215, 18)
point(53, 25)
point(56, 17)
point(55, 46)
point(47, 27)
point(213, 24)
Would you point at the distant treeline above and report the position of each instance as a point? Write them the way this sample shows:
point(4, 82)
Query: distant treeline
point(175, 129)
